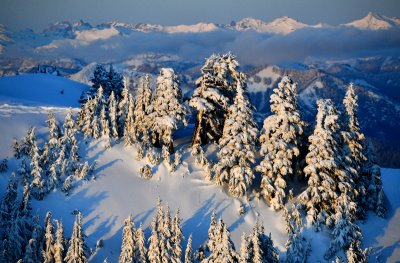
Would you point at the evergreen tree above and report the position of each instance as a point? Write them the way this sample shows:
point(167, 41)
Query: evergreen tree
point(224, 250)
point(353, 146)
point(212, 97)
point(38, 183)
point(54, 130)
point(188, 251)
point(76, 251)
point(245, 248)
point(123, 108)
point(280, 143)
point(48, 246)
point(355, 254)
point(140, 252)
point(86, 120)
point(8, 205)
point(112, 112)
point(128, 241)
point(168, 109)
point(262, 246)
point(371, 171)
point(176, 237)
point(154, 253)
point(29, 139)
point(105, 128)
point(345, 231)
point(297, 247)
point(212, 232)
point(236, 154)
point(114, 83)
point(129, 132)
point(17, 149)
point(327, 176)
point(143, 103)
point(59, 245)
point(98, 80)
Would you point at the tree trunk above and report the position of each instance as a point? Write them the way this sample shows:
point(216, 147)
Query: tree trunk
point(196, 139)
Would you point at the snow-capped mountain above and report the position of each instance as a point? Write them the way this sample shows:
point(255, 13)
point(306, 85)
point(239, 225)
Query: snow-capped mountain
point(374, 22)
point(283, 25)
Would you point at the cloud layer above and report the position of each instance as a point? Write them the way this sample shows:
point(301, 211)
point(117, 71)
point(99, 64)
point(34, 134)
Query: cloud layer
point(250, 47)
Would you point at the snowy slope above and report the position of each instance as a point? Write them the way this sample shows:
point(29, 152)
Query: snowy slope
point(40, 89)
point(119, 191)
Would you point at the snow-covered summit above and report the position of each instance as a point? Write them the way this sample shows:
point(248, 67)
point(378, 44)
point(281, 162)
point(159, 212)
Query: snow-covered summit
point(196, 28)
point(374, 22)
point(283, 25)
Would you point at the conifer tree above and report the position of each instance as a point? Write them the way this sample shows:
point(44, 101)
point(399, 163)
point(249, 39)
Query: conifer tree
point(112, 112)
point(212, 97)
point(154, 253)
point(76, 250)
point(245, 248)
point(168, 109)
point(176, 237)
point(48, 245)
point(59, 245)
point(28, 141)
point(128, 241)
point(262, 246)
point(99, 79)
point(114, 82)
point(129, 132)
point(105, 128)
point(224, 250)
point(280, 143)
point(8, 205)
point(188, 251)
point(327, 176)
point(17, 149)
point(212, 232)
point(371, 171)
point(297, 247)
point(123, 108)
point(236, 154)
point(142, 105)
point(54, 130)
point(355, 254)
point(345, 231)
point(38, 183)
point(86, 122)
point(140, 252)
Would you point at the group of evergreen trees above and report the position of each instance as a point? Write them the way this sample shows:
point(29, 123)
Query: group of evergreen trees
point(144, 118)
point(24, 240)
point(164, 243)
point(57, 163)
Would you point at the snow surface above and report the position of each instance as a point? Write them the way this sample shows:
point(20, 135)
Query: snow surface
point(119, 191)
point(40, 89)
point(374, 22)
point(270, 72)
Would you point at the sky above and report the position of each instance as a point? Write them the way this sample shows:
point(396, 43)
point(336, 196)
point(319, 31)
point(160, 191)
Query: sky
point(38, 14)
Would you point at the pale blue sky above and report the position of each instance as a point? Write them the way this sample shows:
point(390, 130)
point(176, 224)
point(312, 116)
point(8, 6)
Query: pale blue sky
point(37, 14)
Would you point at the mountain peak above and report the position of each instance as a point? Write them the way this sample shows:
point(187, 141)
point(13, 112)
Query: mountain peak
point(374, 21)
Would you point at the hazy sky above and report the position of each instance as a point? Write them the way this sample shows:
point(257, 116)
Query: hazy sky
point(37, 14)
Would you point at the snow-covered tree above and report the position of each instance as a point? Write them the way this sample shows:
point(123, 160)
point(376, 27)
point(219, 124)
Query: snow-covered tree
point(98, 80)
point(245, 249)
point(76, 250)
point(372, 173)
point(38, 183)
point(154, 253)
point(211, 232)
point(85, 118)
point(141, 111)
point(105, 128)
point(128, 241)
point(327, 176)
point(123, 108)
point(297, 247)
point(129, 128)
point(54, 130)
point(140, 252)
point(176, 237)
point(262, 246)
point(355, 254)
point(112, 113)
point(33, 248)
point(59, 244)
point(353, 147)
point(17, 149)
point(345, 231)
point(188, 251)
point(224, 249)
point(28, 141)
point(146, 172)
point(114, 84)
point(237, 144)
point(212, 97)
point(8, 205)
point(280, 143)
point(168, 110)
point(48, 245)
